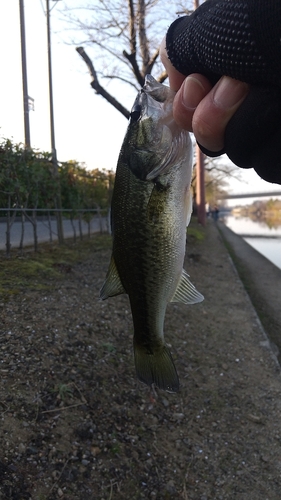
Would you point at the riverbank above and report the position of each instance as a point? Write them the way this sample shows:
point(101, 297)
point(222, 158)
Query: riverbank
point(75, 421)
point(261, 279)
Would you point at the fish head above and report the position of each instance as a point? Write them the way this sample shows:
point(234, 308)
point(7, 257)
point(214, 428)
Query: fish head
point(154, 142)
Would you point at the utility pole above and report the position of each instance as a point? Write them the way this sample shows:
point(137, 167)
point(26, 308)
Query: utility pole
point(200, 176)
point(52, 128)
point(24, 78)
point(200, 187)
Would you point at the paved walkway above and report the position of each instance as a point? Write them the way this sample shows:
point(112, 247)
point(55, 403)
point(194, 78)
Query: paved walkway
point(262, 280)
point(43, 231)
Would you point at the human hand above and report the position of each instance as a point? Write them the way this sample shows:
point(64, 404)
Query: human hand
point(226, 114)
point(202, 108)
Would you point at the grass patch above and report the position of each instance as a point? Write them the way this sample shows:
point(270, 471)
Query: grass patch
point(31, 270)
point(195, 230)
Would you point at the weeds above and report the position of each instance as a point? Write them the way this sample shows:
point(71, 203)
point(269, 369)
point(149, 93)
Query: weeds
point(20, 273)
point(195, 231)
point(63, 391)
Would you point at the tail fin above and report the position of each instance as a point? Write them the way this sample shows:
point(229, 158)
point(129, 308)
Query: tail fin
point(156, 367)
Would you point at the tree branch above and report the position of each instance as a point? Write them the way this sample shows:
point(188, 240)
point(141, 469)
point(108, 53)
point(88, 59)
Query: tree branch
point(133, 44)
point(152, 61)
point(132, 59)
point(132, 26)
point(142, 37)
point(128, 82)
point(161, 78)
point(98, 87)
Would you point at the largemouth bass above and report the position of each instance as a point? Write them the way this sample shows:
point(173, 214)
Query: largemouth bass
point(151, 207)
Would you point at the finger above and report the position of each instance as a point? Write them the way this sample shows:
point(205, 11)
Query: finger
point(215, 110)
point(175, 77)
point(194, 88)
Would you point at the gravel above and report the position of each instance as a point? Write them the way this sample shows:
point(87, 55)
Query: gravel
point(75, 423)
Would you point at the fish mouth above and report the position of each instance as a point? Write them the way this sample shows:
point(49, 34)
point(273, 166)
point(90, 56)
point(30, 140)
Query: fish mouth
point(140, 107)
point(156, 90)
point(151, 100)
point(158, 135)
point(146, 106)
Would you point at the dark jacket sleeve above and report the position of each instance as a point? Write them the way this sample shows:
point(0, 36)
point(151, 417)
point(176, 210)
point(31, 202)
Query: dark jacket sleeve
point(241, 39)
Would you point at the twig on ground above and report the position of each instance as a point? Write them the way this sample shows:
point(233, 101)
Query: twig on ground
point(62, 408)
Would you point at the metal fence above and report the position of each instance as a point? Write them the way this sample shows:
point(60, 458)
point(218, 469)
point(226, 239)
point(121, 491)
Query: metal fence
point(21, 227)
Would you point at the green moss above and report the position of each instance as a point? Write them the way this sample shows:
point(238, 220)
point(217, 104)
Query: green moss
point(109, 347)
point(62, 391)
point(29, 272)
point(195, 230)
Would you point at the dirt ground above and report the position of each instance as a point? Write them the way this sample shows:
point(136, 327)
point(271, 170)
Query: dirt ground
point(75, 423)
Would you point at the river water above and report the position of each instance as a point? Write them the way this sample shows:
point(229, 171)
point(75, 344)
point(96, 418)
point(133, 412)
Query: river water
point(264, 239)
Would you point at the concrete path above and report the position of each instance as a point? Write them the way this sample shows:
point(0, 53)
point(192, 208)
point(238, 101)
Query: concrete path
point(43, 231)
point(262, 280)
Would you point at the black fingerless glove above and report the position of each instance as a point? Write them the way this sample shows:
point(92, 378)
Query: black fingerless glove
point(241, 39)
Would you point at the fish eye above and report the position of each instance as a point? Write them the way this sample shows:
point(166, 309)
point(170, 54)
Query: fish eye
point(135, 113)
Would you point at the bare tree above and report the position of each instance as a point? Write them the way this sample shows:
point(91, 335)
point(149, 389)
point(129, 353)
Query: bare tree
point(218, 177)
point(219, 172)
point(122, 38)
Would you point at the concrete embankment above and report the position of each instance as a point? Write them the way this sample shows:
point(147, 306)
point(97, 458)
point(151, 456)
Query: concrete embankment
point(261, 279)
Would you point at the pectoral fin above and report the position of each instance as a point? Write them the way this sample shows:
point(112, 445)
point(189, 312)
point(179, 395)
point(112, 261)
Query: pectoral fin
point(186, 291)
point(112, 285)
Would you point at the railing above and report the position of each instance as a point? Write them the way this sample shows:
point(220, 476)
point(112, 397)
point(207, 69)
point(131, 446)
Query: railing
point(262, 194)
point(20, 227)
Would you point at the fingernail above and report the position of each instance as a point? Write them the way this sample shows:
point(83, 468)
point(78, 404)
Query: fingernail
point(192, 92)
point(229, 92)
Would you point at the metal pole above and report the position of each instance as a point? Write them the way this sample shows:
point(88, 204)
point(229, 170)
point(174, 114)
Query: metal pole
point(24, 78)
point(200, 176)
point(52, 122)
point(52, 127)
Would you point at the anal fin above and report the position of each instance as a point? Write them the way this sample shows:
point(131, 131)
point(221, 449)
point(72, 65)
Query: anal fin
point(186, 291)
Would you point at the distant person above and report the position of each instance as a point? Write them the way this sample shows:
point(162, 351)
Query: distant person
point(230, 52)
point(215, 213)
